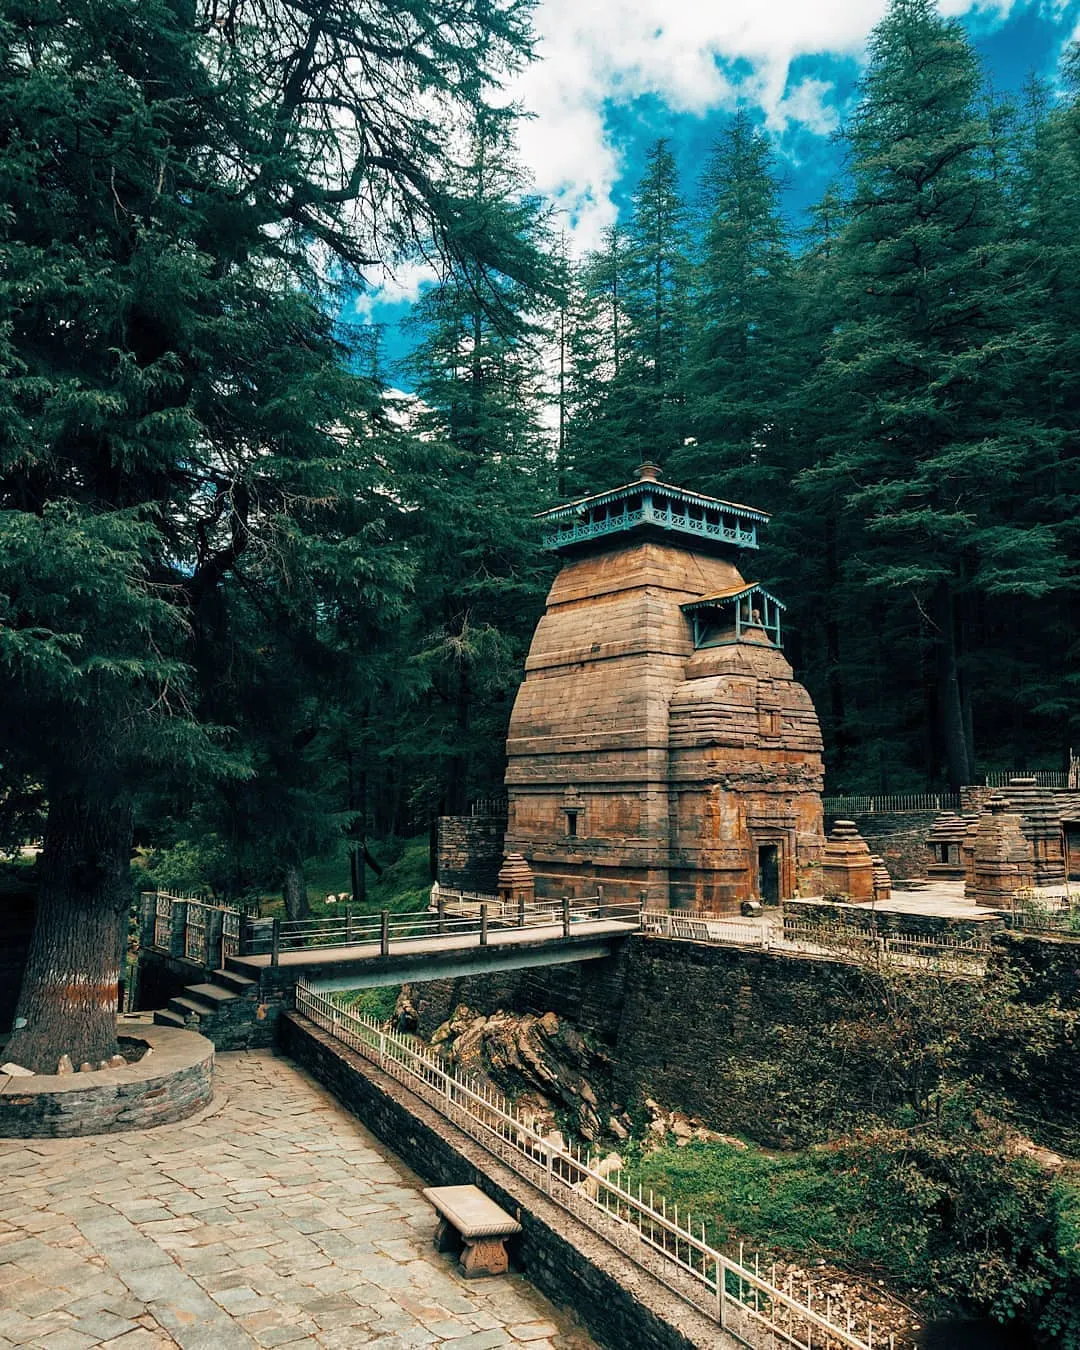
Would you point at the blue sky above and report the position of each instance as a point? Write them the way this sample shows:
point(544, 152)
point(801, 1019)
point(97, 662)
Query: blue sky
point(614, 75)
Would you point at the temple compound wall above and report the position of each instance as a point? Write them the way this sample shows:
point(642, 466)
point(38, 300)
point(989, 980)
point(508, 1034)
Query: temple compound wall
point(659, 745)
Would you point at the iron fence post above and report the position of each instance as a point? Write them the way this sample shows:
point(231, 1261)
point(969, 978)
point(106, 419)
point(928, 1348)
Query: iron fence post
point(566, 916)
point(275, 940)
point(147, 918)
point(215, 939)
point(483, 924)
point(521, 909)
point(348, 923)
point(384, 933)
point(178, 928)
point(440, 910)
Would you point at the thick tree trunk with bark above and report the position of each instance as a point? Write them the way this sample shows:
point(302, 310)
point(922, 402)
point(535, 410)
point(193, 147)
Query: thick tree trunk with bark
point(950, 704)
point(69, 988)
point(294, 892)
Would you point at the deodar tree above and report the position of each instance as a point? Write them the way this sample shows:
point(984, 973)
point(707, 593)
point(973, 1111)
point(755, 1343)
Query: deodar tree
point(182, 185)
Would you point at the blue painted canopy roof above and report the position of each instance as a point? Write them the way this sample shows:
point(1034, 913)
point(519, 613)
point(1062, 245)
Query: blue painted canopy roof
point(729, 596)
point(652, 505)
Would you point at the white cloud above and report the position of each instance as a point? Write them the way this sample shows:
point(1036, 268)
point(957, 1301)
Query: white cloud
point(391, 286)
point(682, 51)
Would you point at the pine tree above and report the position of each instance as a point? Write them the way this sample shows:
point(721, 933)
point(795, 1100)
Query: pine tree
point(935, 445)
point(181, 186)
point(739, 368)
point(651, 367)
point(479, 374)
point(595, 449)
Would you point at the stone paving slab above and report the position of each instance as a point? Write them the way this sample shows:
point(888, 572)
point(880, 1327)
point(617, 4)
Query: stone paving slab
point(274, 1219)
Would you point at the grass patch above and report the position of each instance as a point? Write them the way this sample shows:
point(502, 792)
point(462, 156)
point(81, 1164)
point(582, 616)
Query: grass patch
point(800, 1203)
point(375, 1003)
point(403, 888)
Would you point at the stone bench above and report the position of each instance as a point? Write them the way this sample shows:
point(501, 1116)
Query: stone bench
point(474, 1225)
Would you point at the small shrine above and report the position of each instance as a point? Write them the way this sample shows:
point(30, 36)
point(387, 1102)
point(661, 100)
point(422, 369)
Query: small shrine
point(847, 866)
point(945, 842)
point(659, 744)
point(1001, 857)
point(1041, 822)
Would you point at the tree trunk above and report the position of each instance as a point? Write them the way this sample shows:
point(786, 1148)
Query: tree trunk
point(69, 989)
point(294, 892)
point(950, 707)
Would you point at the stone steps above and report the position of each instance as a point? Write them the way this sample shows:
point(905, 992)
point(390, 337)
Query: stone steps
point(227, 1008)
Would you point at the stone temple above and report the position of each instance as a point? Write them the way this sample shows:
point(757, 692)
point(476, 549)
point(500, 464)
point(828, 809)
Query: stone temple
point(659, 745)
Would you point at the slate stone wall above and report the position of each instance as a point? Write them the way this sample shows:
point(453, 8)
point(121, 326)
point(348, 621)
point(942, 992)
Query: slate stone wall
point(620, 1304)
point(919, 925)
point(470, 852)
point(703, 1029)
point(162, 977)
point(589, 993)
point(898, 837)
point(172, 1083)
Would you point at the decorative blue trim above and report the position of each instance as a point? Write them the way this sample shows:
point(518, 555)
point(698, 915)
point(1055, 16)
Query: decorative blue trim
point(661, 490)
point(769, 621)
point(646, 515)
point(706, 603)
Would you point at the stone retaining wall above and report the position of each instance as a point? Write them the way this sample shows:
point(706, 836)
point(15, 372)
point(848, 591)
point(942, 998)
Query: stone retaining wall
point(471, 852)
point(899, 837)
point(172, 1081)
point(621, 1304)
point(891, 921)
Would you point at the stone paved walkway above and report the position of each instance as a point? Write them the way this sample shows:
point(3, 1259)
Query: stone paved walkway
point(274, 1220)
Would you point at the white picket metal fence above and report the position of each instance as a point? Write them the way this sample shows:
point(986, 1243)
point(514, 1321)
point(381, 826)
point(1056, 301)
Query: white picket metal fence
point(943, 952)
point(691, 927)
point(889, 802)
point(764, 1312)
point(843, 942)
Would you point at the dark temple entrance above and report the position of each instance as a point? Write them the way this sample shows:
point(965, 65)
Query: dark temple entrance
point(768, 866)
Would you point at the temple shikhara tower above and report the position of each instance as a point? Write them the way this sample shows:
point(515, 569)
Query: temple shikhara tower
point(659, 744)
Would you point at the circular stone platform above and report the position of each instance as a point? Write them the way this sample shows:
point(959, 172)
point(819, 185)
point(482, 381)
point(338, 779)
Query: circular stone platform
point(172, 1080)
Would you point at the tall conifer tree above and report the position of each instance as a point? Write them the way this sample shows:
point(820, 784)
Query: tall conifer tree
point(181, 183)
point(738, 370)
point(936, 324)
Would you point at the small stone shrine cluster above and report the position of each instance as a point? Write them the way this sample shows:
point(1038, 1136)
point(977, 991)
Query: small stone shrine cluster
point(1015, 842)
point(659, 744)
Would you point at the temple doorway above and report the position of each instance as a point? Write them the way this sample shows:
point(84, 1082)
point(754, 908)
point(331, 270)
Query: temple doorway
point(768, 886)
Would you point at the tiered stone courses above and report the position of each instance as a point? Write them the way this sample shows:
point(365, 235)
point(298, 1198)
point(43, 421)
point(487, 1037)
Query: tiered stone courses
point(659, 744)
point(275, 1219)
point(173, 1080)
point(1002, 862)
point(847, 866)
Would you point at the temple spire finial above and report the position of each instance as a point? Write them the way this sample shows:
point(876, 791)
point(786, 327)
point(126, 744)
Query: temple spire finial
point(647, 472)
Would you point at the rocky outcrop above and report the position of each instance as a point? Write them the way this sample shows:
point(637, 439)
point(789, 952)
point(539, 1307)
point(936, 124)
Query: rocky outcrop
point(550, 1070)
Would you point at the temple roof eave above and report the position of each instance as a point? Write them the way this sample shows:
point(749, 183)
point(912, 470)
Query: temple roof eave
point(731, 593)
point(662, 489)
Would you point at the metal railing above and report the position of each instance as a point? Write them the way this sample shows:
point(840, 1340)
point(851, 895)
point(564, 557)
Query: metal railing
point(1052, 778)
point(825, 938)
point(889, 803)
point(762, 1312)
point(451, 901)
point(270, 937)
point(691, 927)
point(862, 944)
point(187, 926)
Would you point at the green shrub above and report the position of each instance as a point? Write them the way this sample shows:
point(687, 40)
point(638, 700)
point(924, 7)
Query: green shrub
point(945, 1214)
